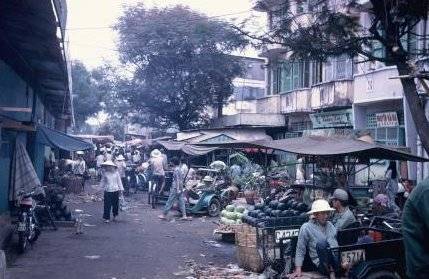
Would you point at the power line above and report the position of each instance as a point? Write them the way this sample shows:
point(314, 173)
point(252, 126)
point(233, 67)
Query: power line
point(160, 22)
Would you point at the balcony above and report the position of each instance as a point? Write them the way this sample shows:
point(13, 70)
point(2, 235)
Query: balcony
point(376, 86)
point(249, 120)
point(268, 105)
point(332, 94)
point(297, 101)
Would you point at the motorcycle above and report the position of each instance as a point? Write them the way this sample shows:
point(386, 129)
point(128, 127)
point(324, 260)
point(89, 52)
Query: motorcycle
point(27, 227)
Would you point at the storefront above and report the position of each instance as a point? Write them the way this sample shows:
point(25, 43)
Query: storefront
point(331, 123)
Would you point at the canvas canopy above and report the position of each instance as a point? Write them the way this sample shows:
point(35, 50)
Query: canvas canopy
point(61, 140)
point(327, 147)
point(190, 149)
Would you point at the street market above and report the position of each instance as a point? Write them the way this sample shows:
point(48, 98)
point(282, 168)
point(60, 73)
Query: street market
point(246, 139)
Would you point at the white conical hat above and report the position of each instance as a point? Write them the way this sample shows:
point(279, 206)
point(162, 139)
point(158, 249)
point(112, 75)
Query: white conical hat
point(320, 206)
point(109, 163)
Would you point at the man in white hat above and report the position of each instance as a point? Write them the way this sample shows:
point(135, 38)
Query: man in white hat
point(343, 216)
point(158, 165)
point(316, 237)
point(112, 185)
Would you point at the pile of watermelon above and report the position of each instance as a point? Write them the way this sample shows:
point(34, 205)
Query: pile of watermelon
point(232, 215)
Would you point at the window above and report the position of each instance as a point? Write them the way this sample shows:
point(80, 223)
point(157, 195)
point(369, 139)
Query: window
point(286, 77)
point(409, 41)
point(316, 72)
point(306, 74)
point(297, 75)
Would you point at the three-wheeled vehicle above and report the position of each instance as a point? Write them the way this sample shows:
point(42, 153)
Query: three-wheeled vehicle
point(208, 196)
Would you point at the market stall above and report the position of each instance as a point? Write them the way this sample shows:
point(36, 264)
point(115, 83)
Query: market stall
point(272, 226)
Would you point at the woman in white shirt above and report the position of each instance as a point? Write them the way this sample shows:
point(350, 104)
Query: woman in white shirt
point(112, 185)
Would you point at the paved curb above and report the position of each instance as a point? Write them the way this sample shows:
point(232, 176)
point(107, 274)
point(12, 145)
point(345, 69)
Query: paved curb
point(65, 224)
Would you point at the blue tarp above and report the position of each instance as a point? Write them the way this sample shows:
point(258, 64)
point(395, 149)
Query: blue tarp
point(57, 139)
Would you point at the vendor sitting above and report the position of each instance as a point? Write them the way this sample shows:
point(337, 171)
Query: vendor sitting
point(343, 216)
point(380, 207)
point(317, 236)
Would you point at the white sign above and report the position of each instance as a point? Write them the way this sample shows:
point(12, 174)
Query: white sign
point(283, 234)
point(387, 119)
point(353, 256)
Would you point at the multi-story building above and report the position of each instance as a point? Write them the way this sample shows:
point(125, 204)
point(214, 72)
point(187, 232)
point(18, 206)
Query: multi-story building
point(316, 97)
point(338, 96)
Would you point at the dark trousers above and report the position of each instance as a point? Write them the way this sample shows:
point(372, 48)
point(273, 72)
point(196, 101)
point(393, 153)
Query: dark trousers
point(111, 202)
point(326, 258)
point(125, 185)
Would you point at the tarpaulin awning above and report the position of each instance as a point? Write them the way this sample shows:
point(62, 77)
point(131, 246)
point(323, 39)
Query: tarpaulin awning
point(24, 177)
point(190, 149)
point(328, 146)
point(57, 139)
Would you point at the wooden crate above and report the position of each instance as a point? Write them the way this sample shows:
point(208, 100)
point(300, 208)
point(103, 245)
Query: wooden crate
point(247, 250)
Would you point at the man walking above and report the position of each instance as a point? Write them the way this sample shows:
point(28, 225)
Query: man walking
point(112, 185)
point(176, 191)
point(415, 228)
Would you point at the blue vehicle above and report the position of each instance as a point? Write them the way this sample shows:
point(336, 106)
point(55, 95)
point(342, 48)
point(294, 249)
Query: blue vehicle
point(209, 196)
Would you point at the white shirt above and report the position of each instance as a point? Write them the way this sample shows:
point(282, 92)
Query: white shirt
point(111, 182)
point(108, 157)
point(100, 160)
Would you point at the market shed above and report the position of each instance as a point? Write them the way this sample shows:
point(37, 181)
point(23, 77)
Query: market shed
point(327, 147)
point(189, 149)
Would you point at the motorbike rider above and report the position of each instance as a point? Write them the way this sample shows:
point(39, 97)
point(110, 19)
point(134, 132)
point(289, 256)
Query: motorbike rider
point(316, 237)
point(343, 216)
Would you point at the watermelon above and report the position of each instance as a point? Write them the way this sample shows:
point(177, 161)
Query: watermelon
point(240, 209)
point(230, 208)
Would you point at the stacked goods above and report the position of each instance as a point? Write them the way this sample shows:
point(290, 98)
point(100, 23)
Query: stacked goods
point(232, 215)
point(248, 254)
point(275, 213)
point(55, 199)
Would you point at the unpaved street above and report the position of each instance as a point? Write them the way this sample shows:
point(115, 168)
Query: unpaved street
point(137, 246)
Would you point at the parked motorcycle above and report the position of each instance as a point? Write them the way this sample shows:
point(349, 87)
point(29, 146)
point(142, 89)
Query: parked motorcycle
point(27, 227)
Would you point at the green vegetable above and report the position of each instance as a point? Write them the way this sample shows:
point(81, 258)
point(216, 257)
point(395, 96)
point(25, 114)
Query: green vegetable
point(230, 215)
point(230, 208)
point(224, 221)
point(238, 215)
point(223, 213)
point(240, 209)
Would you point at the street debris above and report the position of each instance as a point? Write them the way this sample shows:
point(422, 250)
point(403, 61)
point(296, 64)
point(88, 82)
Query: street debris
point(212, 243)
point(83, 198)
point(93, 257)
point(199, 271)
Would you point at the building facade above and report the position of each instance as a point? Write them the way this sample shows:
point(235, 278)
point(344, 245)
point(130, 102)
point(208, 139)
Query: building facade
point(342, 95)
point(34, 82)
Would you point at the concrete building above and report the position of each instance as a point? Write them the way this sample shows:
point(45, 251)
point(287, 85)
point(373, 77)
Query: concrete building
point(35, 99)
point(316, 97)
point(339, 96)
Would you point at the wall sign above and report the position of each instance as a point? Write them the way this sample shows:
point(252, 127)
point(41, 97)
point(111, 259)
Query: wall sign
point(339, 118)
point(387, 119)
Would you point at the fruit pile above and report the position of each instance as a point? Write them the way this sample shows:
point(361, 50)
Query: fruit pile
point(275, 213)
point(232, 215)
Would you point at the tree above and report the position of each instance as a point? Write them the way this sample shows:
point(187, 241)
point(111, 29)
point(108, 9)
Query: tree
point(181, 61)
point(323, 29)
point(86, 95)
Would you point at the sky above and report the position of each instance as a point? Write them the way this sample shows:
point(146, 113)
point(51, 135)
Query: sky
point(93, 42)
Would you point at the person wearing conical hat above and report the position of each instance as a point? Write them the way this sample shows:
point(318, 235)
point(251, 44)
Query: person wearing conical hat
point(122, 166)
point(316, 237)
point(112, 185)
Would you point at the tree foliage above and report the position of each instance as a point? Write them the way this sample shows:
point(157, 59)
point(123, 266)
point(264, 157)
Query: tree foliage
point(181, 64)
point(327, 28)
point(86, 94)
